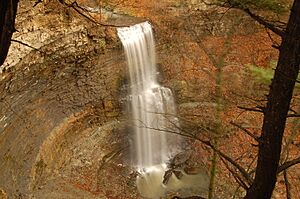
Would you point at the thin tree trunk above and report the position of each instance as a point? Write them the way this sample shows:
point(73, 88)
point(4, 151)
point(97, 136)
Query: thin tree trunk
point(280, 95)
point(218, 82)
point(8, 11)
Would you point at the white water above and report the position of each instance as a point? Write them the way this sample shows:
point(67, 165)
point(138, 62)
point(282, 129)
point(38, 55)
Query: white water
point(154, 115)
point(152, 106)
point(150, 184)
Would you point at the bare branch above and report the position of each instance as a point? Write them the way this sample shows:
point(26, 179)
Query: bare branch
point(237, 178)
point(206, 51)
point(292, 110)
point(233, 4)
point(209, 144)
point(275, 44)
point(109, 156)
point(287, 185)
point(246, 131)
point(235, 164)
point(276, 47)
point(288, 164)
point(293, 115)
point(27, 45)
point(263, 22)
point(74, 5)
point(252, 109)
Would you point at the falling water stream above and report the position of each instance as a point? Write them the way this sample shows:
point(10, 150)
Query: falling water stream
point(152, 110)
point(152, 106)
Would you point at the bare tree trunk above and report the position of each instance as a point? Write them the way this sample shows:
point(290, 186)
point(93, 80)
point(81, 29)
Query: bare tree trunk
point(8, 11)
point(280, 95)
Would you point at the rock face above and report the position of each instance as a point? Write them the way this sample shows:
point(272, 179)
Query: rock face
point(57, 123)
point(60, 108)
point(62, 124)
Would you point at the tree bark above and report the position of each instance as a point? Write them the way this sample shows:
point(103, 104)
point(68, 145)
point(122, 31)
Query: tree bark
point(8, 11)
point(275, 113)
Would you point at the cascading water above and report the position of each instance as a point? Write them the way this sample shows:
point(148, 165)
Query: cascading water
point(153, 116)
point(152, 106)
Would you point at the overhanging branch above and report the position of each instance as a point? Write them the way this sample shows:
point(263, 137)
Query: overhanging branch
point(246, 131)
point(288, 164)
point(75, 6)
point(237, 5)
point(263, 22)
point(236, 176)
point(243, 172)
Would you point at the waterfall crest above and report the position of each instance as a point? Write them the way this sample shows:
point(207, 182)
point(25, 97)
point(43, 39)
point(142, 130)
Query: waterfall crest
point(152, 106)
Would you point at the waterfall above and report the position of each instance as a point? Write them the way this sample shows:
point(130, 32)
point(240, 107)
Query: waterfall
point(152, 106)
point(153, 116)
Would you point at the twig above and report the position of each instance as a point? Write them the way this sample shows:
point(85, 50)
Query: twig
point(106, 158)
point(288, 164)
point(252, 109)
point(238, 179)
point(27, 45)
point(293, 115)
point(287, 185)
point(224, 13)
point(276, 47)
point(292, 110)
point(235, 164)
point(37, 2)
point(257, 18)
point(275, 44)
point(74, 5)
point(246, 131)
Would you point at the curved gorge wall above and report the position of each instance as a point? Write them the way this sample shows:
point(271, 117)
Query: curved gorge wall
point(62, 125)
